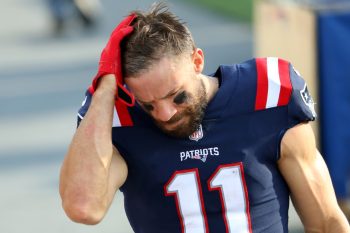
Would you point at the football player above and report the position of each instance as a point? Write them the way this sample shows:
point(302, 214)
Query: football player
point(191, 152)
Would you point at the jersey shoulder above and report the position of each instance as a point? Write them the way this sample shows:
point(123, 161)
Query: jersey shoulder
point(269, 83)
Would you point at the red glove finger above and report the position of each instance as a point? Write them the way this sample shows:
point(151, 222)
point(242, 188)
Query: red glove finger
point(110, 61)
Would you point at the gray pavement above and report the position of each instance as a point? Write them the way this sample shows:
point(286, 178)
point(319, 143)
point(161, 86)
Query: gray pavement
point(42, 83)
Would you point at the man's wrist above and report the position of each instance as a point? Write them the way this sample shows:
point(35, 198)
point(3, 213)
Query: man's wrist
point(107, 83)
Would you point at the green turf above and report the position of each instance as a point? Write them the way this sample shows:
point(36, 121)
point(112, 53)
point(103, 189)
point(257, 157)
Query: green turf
point(238, 9)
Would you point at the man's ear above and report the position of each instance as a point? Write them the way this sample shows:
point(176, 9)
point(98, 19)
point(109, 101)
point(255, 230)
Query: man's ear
point(198, 60)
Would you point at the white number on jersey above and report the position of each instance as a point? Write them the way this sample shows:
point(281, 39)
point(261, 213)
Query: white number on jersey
point(228, 179)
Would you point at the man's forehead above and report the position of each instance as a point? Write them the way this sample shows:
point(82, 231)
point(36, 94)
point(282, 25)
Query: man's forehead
point(158, 82)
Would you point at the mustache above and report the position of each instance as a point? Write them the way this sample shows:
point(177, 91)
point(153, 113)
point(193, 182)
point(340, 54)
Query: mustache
point(176, 118)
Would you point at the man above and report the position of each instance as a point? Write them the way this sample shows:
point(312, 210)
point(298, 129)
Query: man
point(197, 153)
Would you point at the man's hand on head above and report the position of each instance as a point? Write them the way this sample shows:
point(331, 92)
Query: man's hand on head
point(110, 61)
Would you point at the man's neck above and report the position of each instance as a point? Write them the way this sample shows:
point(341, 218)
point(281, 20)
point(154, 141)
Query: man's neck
point(211, 85)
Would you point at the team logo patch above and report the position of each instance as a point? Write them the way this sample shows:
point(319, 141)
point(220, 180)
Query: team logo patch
point(305, 95)
point(197, 135)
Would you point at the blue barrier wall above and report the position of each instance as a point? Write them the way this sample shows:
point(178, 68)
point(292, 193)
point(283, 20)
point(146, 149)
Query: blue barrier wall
point(334, 91)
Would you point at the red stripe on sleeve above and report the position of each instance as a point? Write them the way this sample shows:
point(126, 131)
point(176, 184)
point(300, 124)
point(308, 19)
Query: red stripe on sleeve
point(262, 83)
point(286, 86)
point(123, 114)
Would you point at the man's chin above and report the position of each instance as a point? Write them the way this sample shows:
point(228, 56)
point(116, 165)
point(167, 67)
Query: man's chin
point(181, 131)
point(176, 133)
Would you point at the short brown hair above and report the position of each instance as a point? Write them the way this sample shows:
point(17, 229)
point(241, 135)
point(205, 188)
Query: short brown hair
point(157, 33)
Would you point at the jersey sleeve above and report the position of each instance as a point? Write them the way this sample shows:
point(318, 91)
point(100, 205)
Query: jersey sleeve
point(121, 114)
point(278, 84)
point(84, 107)
point(301, 105)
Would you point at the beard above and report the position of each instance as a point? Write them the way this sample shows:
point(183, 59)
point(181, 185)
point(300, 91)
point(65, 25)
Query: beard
point(193, 115)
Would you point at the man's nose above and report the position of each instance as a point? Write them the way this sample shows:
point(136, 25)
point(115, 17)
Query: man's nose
point(164, 112)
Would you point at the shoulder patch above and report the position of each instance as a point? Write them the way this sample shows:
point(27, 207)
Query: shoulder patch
point(309, 102)
point(274, 86)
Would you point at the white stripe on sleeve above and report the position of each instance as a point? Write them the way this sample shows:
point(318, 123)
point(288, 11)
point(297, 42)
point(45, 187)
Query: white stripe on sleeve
point(274, 83)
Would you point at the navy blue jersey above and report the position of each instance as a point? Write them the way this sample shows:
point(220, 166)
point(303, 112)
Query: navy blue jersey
point(224, 177)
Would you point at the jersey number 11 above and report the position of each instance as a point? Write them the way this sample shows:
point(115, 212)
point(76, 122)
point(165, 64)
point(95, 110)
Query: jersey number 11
point(228, 179)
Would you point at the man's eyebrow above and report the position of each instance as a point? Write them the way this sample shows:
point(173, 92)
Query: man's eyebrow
point(170, 93)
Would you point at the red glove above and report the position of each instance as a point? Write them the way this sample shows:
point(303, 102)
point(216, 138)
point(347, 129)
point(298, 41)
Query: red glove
point(110, 61)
